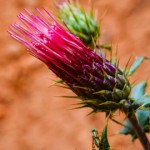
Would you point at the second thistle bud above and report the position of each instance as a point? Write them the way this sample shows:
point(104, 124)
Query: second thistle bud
point(82, 24)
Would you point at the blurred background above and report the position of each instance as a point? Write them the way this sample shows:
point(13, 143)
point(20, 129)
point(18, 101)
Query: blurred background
point(32, 115)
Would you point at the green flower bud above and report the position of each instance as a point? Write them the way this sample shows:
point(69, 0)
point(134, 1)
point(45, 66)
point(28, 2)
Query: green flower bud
point(82, 24)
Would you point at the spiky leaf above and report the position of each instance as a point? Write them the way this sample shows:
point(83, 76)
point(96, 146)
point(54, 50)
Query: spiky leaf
point(135, 65)
point(144, 116)
point(139, 90)
point(139, 96)
point(144, 102)
point(128, 128)
point(141, 102)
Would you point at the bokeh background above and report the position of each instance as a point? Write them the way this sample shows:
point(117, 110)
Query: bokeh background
point(32, 115)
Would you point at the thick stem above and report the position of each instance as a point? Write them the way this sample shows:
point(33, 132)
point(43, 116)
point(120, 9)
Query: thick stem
point(139, 131)
point(137, 127)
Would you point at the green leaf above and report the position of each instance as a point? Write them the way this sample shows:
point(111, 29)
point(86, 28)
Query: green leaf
point(140, 98)
point(104, 143)
point(144, 116)
point(144, 102)
point(139, 90)
point(135, 65)
point(128, 128)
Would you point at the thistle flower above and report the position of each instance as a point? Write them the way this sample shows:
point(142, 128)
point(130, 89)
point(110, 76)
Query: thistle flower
point(82, 24)
point(90, 76)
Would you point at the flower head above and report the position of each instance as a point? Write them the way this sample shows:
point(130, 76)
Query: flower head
point(82, 24)
point(87, 74)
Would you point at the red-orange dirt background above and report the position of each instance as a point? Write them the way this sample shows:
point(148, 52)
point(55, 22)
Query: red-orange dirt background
point(32, 115)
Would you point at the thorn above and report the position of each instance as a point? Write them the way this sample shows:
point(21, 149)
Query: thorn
point(127, 64)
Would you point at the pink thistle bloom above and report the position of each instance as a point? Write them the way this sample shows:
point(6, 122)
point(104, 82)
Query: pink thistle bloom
point(87, 74)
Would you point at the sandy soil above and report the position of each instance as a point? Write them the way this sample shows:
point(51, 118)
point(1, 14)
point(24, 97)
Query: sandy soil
point(32, 115)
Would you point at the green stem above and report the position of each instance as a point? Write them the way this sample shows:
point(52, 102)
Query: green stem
point(136, 126)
